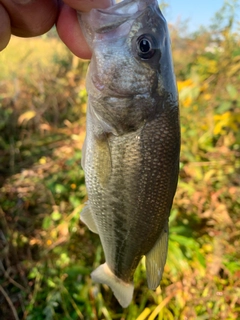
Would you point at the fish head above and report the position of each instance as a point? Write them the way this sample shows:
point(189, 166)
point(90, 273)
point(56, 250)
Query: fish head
point(131, 56)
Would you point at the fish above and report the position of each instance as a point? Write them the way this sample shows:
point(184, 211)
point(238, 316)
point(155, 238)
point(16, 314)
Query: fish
point(130, 155)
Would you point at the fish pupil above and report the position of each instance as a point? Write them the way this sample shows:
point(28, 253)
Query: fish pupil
point(144, 46)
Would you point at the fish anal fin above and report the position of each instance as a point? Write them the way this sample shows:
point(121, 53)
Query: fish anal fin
point(123, 291)
point(87, 218)
point(156, 259)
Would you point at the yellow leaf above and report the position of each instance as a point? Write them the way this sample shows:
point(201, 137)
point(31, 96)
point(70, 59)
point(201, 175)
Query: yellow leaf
point(49, 242)
point(43, 160)
point(184, 84)
point(208, 175)
point(207, 96)
point(187, 102)
point(144, 315)
point(159, 308)
point(26, 116)
point(226, 120)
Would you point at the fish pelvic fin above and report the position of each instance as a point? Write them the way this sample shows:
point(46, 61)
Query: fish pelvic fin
point(156, 259)
point(123, 291)
point(87, 218)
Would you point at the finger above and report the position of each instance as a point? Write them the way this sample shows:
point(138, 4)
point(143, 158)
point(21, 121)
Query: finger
point(31, 18)
point(68, 26)
point(5, 28)
point(87, 5)
point(71, 34)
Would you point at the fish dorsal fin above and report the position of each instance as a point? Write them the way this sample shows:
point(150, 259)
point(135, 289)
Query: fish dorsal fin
point(156, 259)
point(87, 218)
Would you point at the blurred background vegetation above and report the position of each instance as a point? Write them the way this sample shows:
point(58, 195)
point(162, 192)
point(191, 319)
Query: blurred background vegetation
point(46, 254)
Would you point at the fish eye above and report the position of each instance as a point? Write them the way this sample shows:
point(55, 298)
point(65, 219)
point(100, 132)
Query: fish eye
point(145, 47)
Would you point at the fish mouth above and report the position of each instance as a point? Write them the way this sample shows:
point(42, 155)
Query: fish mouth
point(105, 20)
point(106, 91)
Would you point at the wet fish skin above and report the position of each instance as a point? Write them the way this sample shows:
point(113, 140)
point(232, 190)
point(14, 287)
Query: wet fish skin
point(131, 150)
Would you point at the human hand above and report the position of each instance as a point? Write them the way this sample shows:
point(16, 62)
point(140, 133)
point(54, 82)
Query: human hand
point(26, 18)
point(29, 18)
point(68, 26)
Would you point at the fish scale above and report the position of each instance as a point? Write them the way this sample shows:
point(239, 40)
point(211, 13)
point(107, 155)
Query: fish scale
point(131, 150)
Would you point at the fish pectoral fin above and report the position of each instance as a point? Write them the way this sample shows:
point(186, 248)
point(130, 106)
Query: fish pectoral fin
point(87, 218)
point(156, 259)
point(123, 291)
point(102, 125)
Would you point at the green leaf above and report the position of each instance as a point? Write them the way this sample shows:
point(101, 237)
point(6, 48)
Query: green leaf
point(56, 215)
point(233, 92)
point(184, 241)
point(59, 188)
point(75, 201)
point(223, 107)
point(47, 222)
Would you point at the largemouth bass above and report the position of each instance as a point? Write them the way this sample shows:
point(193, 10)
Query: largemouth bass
point(131, 150)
